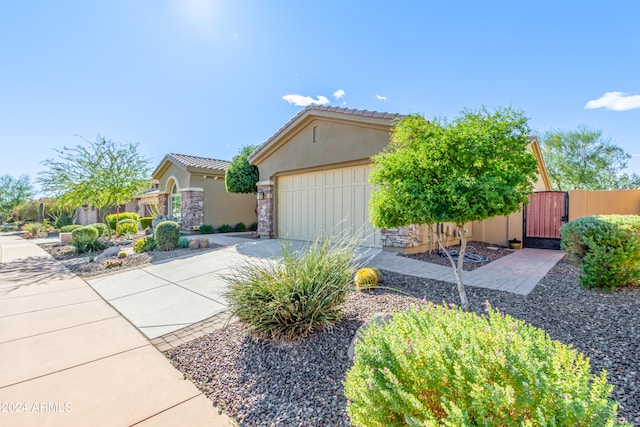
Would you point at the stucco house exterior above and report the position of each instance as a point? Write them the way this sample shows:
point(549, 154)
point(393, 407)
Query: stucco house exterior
point(191, 189)
point(314, 177)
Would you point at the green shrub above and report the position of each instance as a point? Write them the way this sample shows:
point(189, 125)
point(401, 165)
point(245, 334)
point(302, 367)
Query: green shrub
point(206, 229)
point(444, 366)
point(127, 226)
point(183, 242)
point(241, 226)
point(69, 228)
point(32, 228)
point(145, 222)
point(607, 247)
point(225, 228)
point(167, 234)
point(145, 244)
point(86, 239)
point(253, 226)
point(111, 218)
point(102, 228)
point(301, 292)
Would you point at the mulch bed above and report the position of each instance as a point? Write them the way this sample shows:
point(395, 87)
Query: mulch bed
point(271, 383)
point(492, 252)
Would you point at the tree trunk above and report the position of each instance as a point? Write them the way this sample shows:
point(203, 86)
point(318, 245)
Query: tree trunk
point(457, 269)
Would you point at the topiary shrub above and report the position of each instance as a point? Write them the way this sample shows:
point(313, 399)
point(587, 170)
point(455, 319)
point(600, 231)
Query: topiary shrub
point(145, 222)
point(607, 247)
point(206, 229)
point(240, 227)
point(111, 218)
point(253, 226)
point(69, 228)
point(225, 228)
point(183, 242)
point(367, 278)
point(302, 292)
point(167, 234)
point(145, 244)
point(86, 239)
point(102, 228)
point(127, 226)
point(443, 366)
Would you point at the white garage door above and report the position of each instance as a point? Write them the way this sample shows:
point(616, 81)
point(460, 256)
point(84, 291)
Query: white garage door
point(335, 199)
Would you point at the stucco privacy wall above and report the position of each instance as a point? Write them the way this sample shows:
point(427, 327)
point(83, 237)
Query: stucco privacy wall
point(221, 207)
point(586, 202)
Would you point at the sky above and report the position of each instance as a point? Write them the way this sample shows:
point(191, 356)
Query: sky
point(206, 77)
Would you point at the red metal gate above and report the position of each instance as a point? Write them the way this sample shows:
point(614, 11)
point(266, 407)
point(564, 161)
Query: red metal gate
point(546, 212)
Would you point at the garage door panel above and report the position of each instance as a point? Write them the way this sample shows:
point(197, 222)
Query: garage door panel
point(312, 203)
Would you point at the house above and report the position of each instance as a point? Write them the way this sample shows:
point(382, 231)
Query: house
point(314, 176)
point(191, 189)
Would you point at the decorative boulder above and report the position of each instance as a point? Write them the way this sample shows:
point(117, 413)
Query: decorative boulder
point(194, 244)
point(108, 253)
point(379, 318)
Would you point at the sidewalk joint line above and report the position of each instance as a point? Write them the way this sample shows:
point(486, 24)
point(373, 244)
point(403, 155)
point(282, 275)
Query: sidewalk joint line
point(60, 329)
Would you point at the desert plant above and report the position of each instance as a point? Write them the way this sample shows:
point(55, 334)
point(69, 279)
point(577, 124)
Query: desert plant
point(127, 226)
point(439, 365)
point(114, 263)
point(145, 222)
point(253, 226)
point(69, 228)
point(111, 218)
point(167, 234)
point(145, 244)
point(225, 228)
point(122, 254)
point(86, 239)
point(32, 228)
point(607, 247)
point(102, 228)
point(206, 229)
point(182, 243)
point(240, 227)
point(300, 292)
point(366, 278)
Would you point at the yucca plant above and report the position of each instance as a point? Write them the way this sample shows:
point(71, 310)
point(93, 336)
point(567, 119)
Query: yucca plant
point(301, 291)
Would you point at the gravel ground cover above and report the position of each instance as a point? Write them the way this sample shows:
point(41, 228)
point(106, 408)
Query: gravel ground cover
point(80, 265)
point(492, 252)
point(267, 383)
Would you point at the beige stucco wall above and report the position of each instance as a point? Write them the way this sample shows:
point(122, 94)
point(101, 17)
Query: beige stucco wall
point(178, 173)
point(586, 203)
point(338, 142)
point(221, 207)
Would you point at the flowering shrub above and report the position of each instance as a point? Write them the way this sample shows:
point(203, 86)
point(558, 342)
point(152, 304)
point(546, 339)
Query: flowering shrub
point(440, 365)
point(607, 248)
point(127, 227)
point(144, 244)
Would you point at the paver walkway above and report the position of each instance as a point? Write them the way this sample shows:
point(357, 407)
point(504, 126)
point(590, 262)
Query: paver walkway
point(69, 359)
point(519, 272)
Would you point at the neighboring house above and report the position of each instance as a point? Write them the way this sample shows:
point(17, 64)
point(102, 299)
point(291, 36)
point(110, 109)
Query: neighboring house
point(191, 190)
point(314, 176)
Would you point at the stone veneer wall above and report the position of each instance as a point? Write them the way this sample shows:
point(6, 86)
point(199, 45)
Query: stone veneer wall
point(265, 211)
point(163, 204)
point(403, 237)
point(192, 206)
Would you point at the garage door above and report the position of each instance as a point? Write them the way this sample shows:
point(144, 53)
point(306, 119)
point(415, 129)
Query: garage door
point(337, 199)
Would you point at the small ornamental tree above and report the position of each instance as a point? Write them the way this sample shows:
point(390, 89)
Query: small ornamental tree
point(240, 176)
point(13, 192)
point(471, 169)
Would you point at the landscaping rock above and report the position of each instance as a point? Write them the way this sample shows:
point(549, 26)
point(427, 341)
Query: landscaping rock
point(194, 244)
point(108, 253)
point(379, 319)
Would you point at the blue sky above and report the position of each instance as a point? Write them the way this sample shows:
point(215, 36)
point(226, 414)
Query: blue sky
point(205, 77)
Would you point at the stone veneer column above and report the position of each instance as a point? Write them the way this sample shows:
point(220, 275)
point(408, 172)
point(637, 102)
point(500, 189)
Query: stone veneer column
point(265, 209)
point(163, 204)
point(403, 237)
point(192, 208)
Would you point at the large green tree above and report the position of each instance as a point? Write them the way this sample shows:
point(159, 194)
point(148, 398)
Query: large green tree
point(241, 176)
point(471, 169)
point(103, 174)
point(584, 159)
point(13, 192)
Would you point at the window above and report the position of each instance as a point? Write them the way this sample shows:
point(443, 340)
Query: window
point(175, 203)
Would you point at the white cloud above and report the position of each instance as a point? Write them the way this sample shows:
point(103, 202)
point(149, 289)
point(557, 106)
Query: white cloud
point(234, 35)
point(338, 94)
point(381, 98)
point(303, 101)
point(616, 101)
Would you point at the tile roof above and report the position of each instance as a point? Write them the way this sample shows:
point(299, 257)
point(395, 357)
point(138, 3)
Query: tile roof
point(186, 160)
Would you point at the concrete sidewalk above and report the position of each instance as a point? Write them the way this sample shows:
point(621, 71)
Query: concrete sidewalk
point(69, 359)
